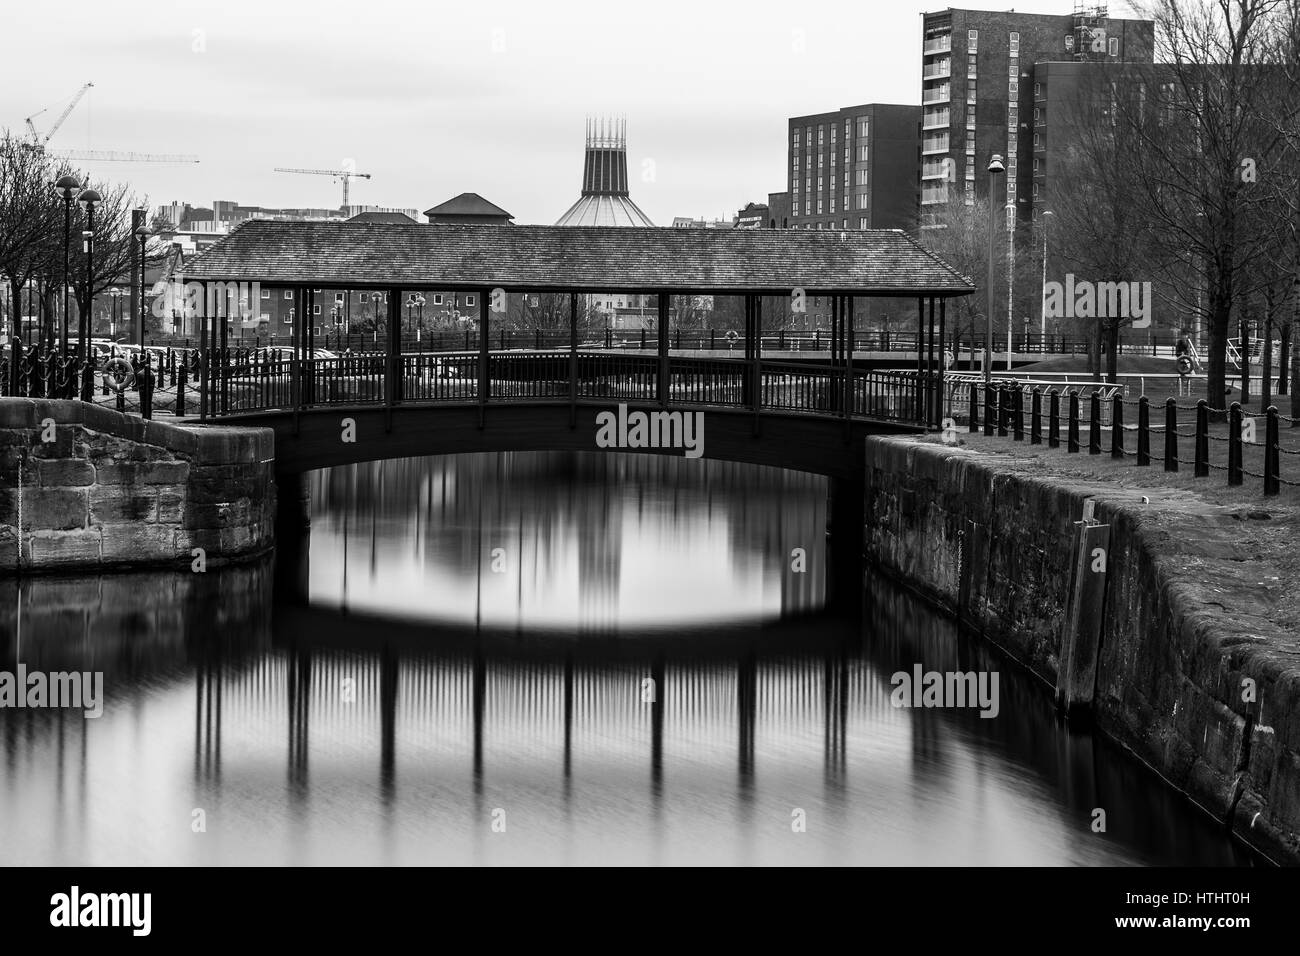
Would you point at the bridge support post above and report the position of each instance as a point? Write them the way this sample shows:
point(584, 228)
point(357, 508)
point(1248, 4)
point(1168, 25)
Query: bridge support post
point(393, 379)
point(573, 360)
point(919, 407)
point(484, 359)
point(663, 389)
point(943, 305)
point(846, 320)
point(754, 309)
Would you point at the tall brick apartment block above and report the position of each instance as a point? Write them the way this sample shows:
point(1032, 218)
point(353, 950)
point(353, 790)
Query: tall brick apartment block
point(985, 78)
point(853, 168)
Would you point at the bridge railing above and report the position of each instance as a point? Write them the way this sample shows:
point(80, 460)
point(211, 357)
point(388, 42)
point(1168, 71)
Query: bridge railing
point(228, 381)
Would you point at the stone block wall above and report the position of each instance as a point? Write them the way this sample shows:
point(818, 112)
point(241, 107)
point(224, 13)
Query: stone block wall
point(1186, 635)
point(82, 486)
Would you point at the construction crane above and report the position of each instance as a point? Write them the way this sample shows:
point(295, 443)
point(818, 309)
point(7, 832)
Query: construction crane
point(94, 155)
point(116, 156)
point(38, 140)
point(343, 174)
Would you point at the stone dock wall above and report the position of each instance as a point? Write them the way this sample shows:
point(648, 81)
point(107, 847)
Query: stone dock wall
point(85, 487)
point(1191, 674)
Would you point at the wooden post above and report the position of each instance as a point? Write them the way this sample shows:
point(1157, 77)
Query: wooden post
point(755, 309)
point(204, 361)
point(1076, 676)
point(484, 359)
point(1171, 434)
point(920, 361)
point(573, 359)
point(662, 391)
point(847, 313)
point(943, 307)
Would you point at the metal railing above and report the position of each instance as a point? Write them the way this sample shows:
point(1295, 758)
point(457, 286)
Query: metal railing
point(212, 383)
point(1079, 420)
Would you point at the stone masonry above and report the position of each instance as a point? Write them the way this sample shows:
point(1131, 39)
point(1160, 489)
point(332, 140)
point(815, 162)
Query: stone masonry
point(85, 487)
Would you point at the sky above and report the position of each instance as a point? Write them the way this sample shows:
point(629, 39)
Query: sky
point(435, 98)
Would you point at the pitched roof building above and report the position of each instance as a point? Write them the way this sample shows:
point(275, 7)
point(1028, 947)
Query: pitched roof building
point(469, 208)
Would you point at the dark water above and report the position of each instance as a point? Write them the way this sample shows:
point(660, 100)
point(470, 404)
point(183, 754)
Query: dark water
point(469, 641)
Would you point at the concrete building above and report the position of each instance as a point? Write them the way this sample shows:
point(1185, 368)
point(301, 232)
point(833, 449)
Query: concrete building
point(980, 73)
point(853, 168)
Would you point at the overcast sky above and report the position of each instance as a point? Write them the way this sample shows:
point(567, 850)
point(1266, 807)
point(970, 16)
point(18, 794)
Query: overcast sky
point(435, 99)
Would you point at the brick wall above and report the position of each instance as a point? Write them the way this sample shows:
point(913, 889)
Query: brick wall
point(86, 487)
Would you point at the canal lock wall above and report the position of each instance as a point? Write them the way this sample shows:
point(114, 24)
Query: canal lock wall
point(1172, 655)
point(84, 487)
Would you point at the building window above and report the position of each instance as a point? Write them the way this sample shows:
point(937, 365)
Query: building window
point(1015, 44)
point(288, 294)
point(821, 160)
point(862, 126)
point(820, 183)
point(1038, 90)
point(970, 117)
point(832, 209)
point(338, 298)
point(266, 293)
point(469, 301)
point(1011, 186)
point(821, 135)
point(863, 154)
point(1112, 46)
point(862, 222)
point(848, 128)
point(1013, 87)
point(1035, 190)
point(819, 210)
point(1035, 165)
point(834, 130)
point(972, 40)
point(970, 93)
point(437, 299)
point(315, 310)
point(861, 177)
point(796, 139)
point(846, 155)
point(796, 163)
point(1037, 141)
point(970, 65)
point(844, 224)
point(807, 184)
point(862, 200)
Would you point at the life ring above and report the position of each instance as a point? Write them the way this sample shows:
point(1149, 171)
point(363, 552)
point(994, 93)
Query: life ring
point(119, 374)
point(732, 337)
point(1185, 364)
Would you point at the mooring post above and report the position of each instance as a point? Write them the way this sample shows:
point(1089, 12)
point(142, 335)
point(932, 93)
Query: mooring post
point(1076, 676)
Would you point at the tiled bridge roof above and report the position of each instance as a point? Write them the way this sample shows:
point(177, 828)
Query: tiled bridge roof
point(539, 258)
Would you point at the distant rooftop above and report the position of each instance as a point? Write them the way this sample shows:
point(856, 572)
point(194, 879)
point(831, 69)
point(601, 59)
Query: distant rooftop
point(399, 218)
point(470, 205)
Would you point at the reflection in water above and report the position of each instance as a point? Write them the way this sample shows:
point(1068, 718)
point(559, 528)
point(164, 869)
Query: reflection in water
point(312, 734)
point(554, 539)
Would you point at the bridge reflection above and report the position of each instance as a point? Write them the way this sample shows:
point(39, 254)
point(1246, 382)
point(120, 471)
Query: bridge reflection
point(330, 713)
point(555, 538)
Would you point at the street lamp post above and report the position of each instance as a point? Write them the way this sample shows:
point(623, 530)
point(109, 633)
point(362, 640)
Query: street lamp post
point(1011, 274)
point(89, 198)
point(67, 189)
point(137, 332)
point(1042, 318)
point(996, 169)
